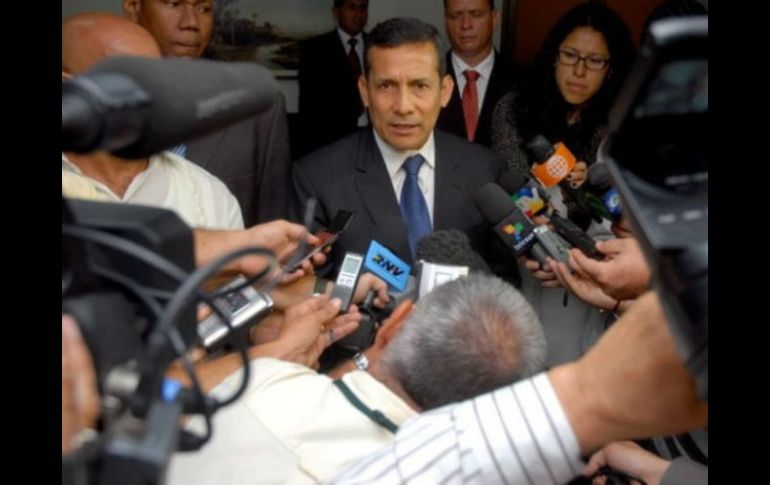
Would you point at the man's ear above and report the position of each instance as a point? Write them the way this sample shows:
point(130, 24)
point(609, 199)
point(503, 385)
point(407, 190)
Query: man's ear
point(132, 9)
point(392, 325)
point(363, 90)
point(447, 85)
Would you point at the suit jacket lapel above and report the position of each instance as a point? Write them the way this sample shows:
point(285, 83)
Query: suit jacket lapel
point(372, 180)
point(453, 112)
point(448, 190)
point(374, 187)
point(496, 84)
point(202, 150)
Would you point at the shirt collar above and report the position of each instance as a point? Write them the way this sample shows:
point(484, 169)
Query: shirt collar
point(484, 68)
point(395, 158)
point(344, 37)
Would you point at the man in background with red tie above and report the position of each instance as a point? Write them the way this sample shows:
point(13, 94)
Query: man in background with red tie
point(481, 76)
point(330, 64)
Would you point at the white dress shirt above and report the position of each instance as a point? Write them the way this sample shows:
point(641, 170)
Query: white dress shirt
point(171, 182)
point(426, 177)
point(484, 68)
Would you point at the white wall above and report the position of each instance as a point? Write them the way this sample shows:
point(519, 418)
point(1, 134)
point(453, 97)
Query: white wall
point(431, 11)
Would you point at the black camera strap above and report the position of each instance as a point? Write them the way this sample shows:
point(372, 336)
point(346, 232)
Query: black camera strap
point(373, 414)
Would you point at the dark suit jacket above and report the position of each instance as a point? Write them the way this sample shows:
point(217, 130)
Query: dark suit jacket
point(329, 103)
point(451, 117)
point(351, 175)
point(252, 158)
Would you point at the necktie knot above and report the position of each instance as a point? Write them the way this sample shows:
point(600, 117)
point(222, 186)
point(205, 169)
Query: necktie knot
point(412, 164)
point(352, 42)
point(471, 75)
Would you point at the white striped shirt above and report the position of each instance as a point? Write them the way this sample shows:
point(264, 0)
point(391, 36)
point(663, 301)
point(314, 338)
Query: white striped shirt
point(518, 434)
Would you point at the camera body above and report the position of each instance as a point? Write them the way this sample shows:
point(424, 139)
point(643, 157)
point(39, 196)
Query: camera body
point(140, 414)
point(657, 154)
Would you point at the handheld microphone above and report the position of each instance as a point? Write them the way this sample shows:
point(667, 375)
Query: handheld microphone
point(391, 234)
point(600, 183)
point(531, 198)
point(516, 230)
point(443, 256)
point(450, 247)
point(384, 264)
point(136, 107)
point(565, 228)
point(511, 225)
point(599, 178)
point(554, 163)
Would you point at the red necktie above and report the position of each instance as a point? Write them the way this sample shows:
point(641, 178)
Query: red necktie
point(355, 62)
point(471, 103)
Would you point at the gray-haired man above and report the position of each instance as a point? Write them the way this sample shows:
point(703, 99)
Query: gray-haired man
point(465, 338)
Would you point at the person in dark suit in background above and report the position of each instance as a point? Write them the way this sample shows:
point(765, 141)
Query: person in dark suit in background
point(481, 76)
point(401, 169)
point(251, 157)
point(329, 66)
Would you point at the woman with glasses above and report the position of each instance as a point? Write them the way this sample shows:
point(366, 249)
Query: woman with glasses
point(565, 98)
point(569, 90)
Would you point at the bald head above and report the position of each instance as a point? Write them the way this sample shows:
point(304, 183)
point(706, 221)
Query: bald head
point(87, 38)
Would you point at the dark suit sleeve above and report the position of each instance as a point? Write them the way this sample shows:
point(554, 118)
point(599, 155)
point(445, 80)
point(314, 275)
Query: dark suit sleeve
point(304, 189)
point(272, 150)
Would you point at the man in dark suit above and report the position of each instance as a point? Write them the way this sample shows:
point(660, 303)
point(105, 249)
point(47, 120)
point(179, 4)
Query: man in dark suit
point(481, 76)
point(330, 64)
point(251, 157)
point(401, 169)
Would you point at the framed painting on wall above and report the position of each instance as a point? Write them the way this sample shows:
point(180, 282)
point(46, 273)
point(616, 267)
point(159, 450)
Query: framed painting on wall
point(267, 31)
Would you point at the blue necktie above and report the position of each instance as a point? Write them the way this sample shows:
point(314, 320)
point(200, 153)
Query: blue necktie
point(413, 206)
point(180, 150)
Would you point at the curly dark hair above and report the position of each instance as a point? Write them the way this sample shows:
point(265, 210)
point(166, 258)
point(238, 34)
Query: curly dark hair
point(543, 110)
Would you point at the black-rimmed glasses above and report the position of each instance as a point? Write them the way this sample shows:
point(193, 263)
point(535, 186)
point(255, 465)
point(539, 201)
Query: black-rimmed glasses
point(592, 62)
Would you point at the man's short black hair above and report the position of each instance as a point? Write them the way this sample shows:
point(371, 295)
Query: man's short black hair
point(491, 4)
point(340, 3)
point(399, 31)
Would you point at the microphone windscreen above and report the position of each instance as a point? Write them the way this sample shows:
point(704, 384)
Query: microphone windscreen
point(191, 98)
point(599, 176)
point(450, 247)
point(511, 181)
point(493, 203)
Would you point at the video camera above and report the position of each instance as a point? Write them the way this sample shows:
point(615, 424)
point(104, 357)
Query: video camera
point(657, 154)
point(128, 271)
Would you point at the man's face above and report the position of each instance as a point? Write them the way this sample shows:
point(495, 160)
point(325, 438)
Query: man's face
point(470, 25)
point(182, 28)
point(352, 16)
point(404, 93)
